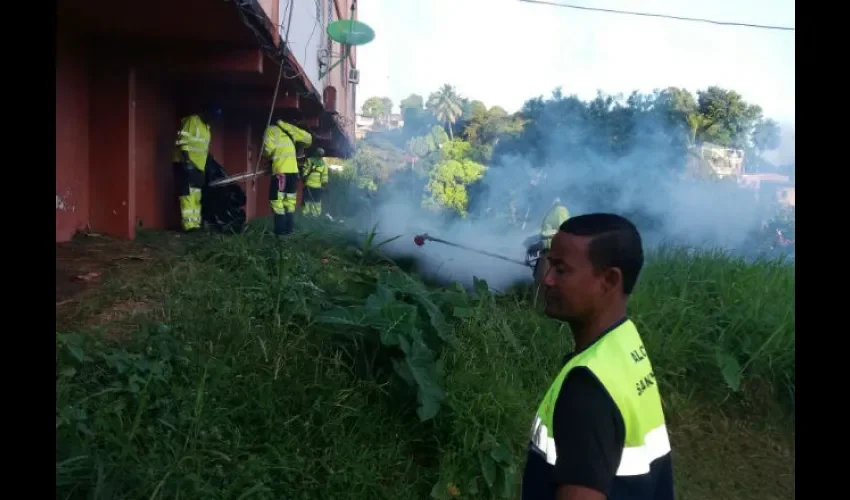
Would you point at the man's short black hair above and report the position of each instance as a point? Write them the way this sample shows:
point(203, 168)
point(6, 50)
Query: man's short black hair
point(614, 242)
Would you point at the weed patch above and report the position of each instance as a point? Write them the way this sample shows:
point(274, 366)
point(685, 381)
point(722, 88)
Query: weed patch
point(313, 367)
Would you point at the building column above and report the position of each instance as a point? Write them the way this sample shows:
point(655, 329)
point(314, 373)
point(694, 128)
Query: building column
point(238, 157)
point(112, 146)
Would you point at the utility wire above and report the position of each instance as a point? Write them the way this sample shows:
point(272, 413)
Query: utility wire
point(274, 97)
point(663, 16)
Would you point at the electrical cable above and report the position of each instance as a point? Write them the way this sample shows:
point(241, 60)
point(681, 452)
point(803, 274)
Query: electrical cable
point(274, 98)
point(663, 16)
point(246, 8)
point(249, 8)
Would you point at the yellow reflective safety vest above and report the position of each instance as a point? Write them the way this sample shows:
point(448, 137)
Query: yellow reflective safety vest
point(279, 145)
point(619, 361)
point(316, 174)
point(194, 138)
point(551, 223)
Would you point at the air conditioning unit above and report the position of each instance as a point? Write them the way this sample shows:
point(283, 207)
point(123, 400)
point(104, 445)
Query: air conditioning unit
point(354, 76)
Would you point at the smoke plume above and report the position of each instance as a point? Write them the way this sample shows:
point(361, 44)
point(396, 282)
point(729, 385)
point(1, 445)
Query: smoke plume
point(648, 184)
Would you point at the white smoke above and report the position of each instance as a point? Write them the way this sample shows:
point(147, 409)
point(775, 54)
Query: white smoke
point(684, 211)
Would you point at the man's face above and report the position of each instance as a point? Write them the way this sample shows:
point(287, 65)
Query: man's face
point(572, 287)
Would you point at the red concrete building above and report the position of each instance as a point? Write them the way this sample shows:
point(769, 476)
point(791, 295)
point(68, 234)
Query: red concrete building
point(127, 72)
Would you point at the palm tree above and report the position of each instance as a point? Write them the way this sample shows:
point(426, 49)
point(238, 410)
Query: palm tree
point(446, 105)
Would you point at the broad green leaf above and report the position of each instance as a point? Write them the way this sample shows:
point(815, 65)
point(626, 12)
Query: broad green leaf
point(488, 469)
point(482, 289)
point(352, 316)
point(501, 453)
point(437, 490)
point(404, 344)
point(430, 394)
point(397, 320)
point(464, 312)
point(78, 354)
point(452, 297)
point(389, 337)
point(730, 369)
point(402, 282)
point(398, 280)
point(382, 296)
point(472, 486)
point(440, 367)
point(438, 321)
point(508, 482)
point(403, 371)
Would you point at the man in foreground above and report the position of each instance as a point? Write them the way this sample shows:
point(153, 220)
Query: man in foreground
point(600, 430)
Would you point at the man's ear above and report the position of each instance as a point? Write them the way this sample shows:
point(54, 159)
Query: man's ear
point(612, 278)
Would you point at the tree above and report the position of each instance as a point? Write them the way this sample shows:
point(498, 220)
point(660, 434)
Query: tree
point(446, 105)
point(378, 108)
point(727, 120)
point(677, 109)
point(416, 118)
point(447, 185)
point(413, 101)
point(367, 169)
point(486, 127)
point(765, 136)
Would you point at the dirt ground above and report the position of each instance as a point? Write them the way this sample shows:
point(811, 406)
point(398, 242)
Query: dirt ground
point(82, 266)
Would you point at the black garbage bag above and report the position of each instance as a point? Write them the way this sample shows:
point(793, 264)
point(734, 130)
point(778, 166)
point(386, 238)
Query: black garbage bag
point(222, 207)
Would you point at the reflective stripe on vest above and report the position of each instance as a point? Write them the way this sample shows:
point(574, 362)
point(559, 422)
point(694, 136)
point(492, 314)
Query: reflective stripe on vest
point(315, 174)
point(619, 361)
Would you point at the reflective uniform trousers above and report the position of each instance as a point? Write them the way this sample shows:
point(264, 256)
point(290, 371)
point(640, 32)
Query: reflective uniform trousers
point(190, 180)
point(282, 197)
point(313, 201)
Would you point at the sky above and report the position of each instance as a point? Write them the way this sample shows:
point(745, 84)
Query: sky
point(503, 52)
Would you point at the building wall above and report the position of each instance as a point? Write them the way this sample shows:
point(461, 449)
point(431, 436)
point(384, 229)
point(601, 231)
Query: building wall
point(338, 77)
point(156, 118)
point(112, 143)
point(306, 34)
point(268, 7)
point(725, 162)
point(788, 196)
point(309, 42)
point(72, 136)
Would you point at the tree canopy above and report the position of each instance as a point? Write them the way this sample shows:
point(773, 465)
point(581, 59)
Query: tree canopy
point(450, 145)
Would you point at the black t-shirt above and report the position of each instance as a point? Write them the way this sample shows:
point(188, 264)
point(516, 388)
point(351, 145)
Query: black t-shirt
point(590, 434)
point(588, 424)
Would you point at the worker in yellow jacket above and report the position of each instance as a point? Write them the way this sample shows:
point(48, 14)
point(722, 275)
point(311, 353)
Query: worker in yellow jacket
point(190, 160)
point(557, 215)
point(315, 179)
point(279, 145)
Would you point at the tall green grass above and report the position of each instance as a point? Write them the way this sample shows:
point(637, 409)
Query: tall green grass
point(313, 368)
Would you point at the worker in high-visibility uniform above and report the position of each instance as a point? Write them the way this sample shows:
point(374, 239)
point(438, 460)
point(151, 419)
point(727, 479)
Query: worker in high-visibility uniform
point(556, 216)
point(552, 222)
point(599, 432)
point(190, 160)
point(315, 179)
point(279, 145)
